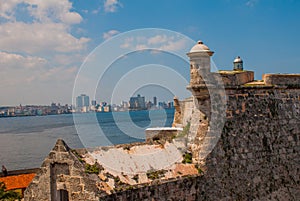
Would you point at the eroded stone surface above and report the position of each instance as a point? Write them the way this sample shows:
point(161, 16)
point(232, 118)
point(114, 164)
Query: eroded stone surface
point(254, 156)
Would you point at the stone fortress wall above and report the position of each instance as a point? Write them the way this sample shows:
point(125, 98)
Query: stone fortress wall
point(255, 157)
point(291, 80)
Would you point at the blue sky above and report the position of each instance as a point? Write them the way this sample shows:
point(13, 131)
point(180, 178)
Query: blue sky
point(43, 43)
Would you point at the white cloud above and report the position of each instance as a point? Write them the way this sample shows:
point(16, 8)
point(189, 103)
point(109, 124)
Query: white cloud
point(39, 38)
point(34, 80)
point(39, 53)
point(48, 32)
point(96, 11)
point(174, 45)
point(160, 42)
point(53, 10)
point(7, 9)
point(38, 68)
point(69, 59)
point(17, 61)
point(128, 43)
point(111, 6)
point(110, 34)
point(157, 39)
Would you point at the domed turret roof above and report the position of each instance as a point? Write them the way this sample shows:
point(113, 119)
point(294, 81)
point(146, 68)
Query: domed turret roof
point(200, 47)
point(238, 60)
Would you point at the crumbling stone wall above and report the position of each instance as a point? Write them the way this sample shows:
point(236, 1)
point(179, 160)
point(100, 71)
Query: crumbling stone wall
point(256, 158)
point(62, 175)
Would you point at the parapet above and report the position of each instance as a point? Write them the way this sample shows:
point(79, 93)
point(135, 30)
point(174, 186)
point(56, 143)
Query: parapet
point(236, 78)
point(282, 79)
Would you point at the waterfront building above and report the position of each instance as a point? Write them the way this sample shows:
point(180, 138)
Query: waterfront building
point(94, 102)
point(155, 101)
point(137, 103)
point(149, 105)
point(107, 108)
point(82, 103)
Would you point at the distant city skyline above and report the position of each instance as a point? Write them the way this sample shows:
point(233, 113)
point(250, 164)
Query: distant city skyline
point(86, 99)
point(44, 43)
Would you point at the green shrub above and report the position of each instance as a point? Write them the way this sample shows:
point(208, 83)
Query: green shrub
point(92, 169)
point(200, 171)
point(78, 156)
point(187, 158)
point(8, 195)
point(156, 174)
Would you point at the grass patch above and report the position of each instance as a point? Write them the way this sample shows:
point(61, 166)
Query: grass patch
point(78, 155)
point(187, 158)
point(92, 169)
point(156, 174)
point(200, 171)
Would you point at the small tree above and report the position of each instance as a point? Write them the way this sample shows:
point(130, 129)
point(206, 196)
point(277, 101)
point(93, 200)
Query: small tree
point(8, 195)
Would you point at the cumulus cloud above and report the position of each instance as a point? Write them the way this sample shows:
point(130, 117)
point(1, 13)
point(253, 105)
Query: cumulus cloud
point(7, 9)
point(157, 39)
point(110, 34)
point(53, 10)
point(48, 32)
point(17, 61)
point(34, 80)
point(111, 6)
point(39, 49)
point(37, 68)
point(173, 45)
point(160, 42)
point(39, 38)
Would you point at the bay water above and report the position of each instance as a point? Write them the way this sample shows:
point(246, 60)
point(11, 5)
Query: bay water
point(26, 141)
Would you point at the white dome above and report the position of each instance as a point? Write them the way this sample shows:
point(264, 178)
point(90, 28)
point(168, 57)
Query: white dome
point(200, 47)
point(238, 60)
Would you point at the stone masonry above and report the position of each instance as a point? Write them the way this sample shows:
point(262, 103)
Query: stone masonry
point(243, 137)
point(62, 177)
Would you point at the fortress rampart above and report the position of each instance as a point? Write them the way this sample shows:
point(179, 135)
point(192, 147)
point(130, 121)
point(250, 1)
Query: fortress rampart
point(256, 158)
point(290, 80)
point(243, 137)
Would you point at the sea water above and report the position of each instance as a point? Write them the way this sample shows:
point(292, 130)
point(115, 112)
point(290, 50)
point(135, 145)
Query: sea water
point(26, 141)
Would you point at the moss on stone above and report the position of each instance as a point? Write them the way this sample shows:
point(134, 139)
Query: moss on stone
point(156, 174)
point(92, 169)
point(187, 158)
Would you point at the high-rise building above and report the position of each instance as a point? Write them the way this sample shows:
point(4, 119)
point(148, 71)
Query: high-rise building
point(82, 101)
point(137, 103)
point(94, 103)
point(154, 101)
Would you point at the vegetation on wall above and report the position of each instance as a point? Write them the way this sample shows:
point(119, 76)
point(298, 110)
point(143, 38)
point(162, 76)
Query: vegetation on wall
point(185, 130)
point(78, 156)
point(156, 174)
point(187, 158)
point(92, 169)
point(8, 195)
